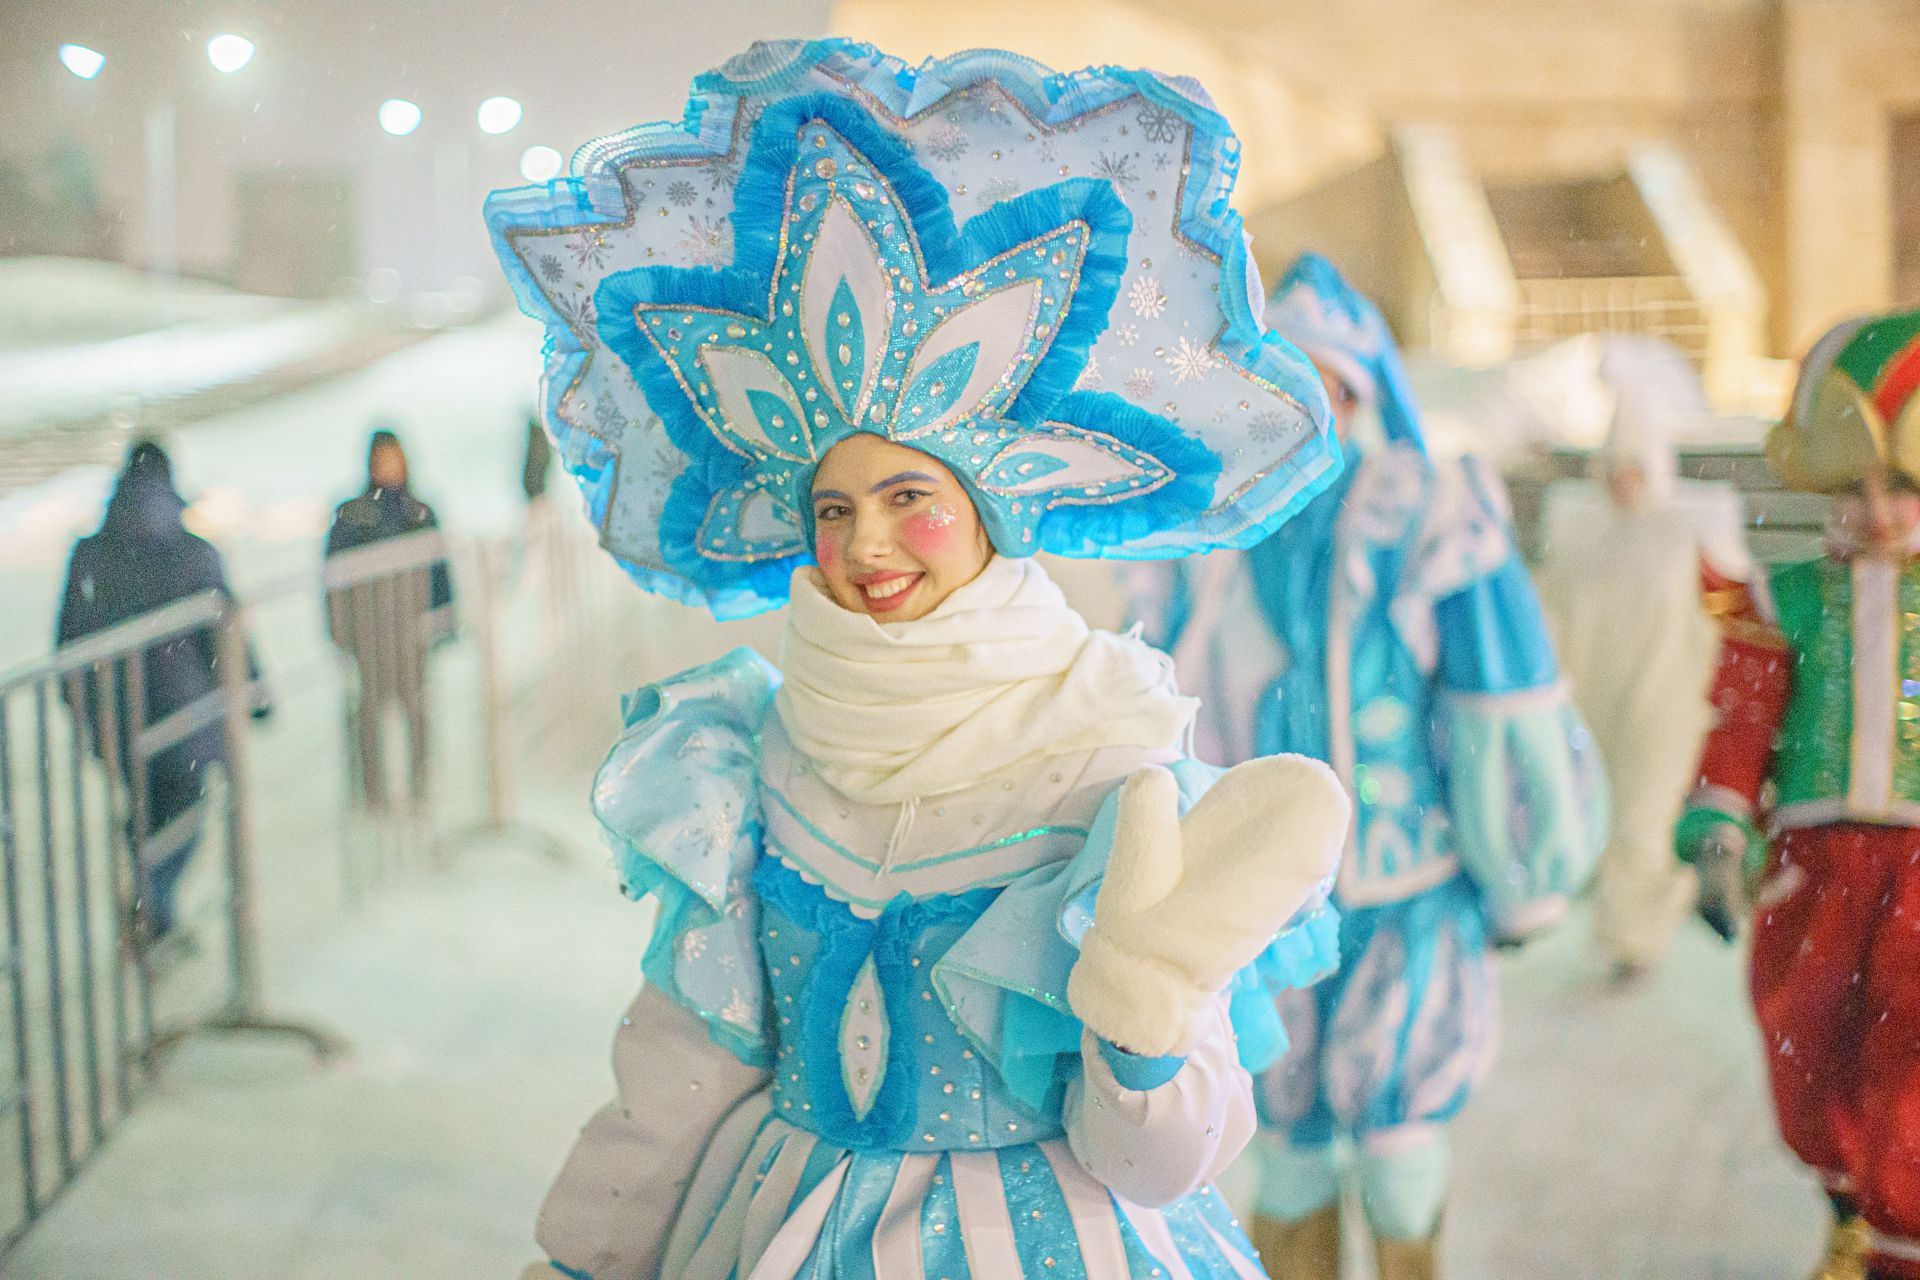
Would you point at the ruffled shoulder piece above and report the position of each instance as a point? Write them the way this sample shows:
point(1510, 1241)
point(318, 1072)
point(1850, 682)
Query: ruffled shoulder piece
point(1005, 979)
point(678, 800)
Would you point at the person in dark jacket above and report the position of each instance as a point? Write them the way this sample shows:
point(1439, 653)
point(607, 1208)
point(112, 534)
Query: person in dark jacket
point(389, 598)
point(142, 558)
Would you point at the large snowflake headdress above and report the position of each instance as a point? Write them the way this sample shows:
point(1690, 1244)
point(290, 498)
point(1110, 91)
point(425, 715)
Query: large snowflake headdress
point(728, 297)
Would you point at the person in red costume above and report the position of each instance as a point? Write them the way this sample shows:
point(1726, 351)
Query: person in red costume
point(1818, 746)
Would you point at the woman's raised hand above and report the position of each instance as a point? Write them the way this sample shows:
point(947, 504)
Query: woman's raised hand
point(1188, 902)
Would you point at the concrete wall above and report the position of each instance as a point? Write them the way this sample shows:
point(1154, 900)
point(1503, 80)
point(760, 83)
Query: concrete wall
point(1851, 69)
point(581, 67)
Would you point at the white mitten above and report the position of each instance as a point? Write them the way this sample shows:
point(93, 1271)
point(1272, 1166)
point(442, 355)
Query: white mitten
point(1187, 902)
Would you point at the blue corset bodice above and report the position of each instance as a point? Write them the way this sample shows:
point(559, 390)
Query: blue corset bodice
point(866, 1054)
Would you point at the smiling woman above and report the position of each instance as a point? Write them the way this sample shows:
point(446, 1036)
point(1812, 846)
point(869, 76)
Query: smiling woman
point(946, 978)
point(894, 533)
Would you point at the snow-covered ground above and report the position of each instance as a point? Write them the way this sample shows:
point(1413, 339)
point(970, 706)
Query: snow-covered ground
point(1625, 1136)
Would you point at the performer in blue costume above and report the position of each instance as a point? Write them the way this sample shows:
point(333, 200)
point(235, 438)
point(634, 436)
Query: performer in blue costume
point(1390, 630)
point(961, 961)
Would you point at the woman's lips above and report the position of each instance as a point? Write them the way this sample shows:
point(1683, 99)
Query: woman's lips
point(883, 595)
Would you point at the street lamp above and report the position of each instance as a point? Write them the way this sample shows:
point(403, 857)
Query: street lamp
point(228, 53)
point(539, 164)
point(82, 61)
point(399, 117)
point(499, 115)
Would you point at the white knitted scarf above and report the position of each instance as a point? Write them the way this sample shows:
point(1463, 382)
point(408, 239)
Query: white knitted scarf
point(1002, 671)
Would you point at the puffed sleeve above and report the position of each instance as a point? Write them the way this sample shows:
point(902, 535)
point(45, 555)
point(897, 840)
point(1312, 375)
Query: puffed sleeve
point(1752, 683)
point(678, 799)
point(1526, 790)
point(681, 1101)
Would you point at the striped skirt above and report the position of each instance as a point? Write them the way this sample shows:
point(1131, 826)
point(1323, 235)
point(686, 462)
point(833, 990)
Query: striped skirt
point(772, 1202)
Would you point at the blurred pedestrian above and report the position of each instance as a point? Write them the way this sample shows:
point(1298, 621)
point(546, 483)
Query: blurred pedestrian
point(142, 558)
point(389, 599)
point(1631, 559)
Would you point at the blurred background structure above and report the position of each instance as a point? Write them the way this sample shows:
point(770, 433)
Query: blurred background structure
point(253, 231)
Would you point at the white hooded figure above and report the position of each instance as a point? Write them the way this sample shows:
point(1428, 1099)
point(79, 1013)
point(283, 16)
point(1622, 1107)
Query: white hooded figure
point(1625, 554)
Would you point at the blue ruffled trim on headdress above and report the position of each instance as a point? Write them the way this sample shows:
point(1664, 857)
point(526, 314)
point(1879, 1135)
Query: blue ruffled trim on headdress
point(654, 527)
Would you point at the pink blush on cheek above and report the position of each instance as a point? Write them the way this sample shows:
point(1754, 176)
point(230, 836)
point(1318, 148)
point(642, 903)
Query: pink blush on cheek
point(826, 549)
point(929, 533)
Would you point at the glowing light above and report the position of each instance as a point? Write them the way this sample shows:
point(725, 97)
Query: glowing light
point(82, 61)
point(539, 164)
point(229, 53)
point(399, 117)
point(499, 115)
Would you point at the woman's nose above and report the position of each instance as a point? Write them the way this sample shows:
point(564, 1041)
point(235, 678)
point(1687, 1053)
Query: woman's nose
point(872, 538)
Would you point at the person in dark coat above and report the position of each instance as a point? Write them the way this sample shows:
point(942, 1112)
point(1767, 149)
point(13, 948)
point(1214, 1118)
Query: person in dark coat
point(142, 558)
point(386, 607)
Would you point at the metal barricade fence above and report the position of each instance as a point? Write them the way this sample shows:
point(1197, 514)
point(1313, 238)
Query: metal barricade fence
point(423, 701)
point(79, 847)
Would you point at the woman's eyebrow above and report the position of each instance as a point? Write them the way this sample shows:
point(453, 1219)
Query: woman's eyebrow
point(828, 493)
point(890, 481)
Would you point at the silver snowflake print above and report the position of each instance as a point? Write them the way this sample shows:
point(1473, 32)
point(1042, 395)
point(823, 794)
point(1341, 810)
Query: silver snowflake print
point(1091, 375)
point(1190, 361)
point(607, 417)
point(551, 269)
point(999, 187)
point(682, 193)
point(705, 243)
point(589, 250)
point(720, 173)
point(1117, 168)
point(1158, 124)
point(692, 946)
point(947, 142)
point(1269, 426)
point(1146, 297)
point(1128, 334)
point(1141, 384)
point(737, 1012)
point(577, 310)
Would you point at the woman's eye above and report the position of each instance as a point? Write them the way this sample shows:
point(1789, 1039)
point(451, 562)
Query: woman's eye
point(832, 511)
point(907, 497)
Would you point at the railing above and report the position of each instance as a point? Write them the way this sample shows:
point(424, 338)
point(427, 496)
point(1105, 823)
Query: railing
point(357, 658)
point(81, 846)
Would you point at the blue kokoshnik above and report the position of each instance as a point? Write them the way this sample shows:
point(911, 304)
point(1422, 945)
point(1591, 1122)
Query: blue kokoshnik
point(1035, 278)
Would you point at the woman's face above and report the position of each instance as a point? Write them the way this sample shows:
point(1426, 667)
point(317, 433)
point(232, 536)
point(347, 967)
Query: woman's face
point(1344, 401)
point(1883, 516)
point(893, 532)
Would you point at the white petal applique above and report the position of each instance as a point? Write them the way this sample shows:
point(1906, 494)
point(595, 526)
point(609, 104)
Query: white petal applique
point(846, 308)
point(1071, 464)
point(863, 1040)
point(758, 411)
point(970, 365)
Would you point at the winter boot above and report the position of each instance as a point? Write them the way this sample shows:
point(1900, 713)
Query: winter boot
point(1407, 1259)
point(1847, 1246)
point(1305, 1250)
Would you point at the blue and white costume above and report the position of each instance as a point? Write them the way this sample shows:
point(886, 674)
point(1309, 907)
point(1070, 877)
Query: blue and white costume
point(1390, 629)
point(876, 869)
